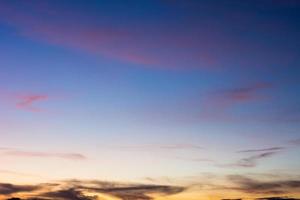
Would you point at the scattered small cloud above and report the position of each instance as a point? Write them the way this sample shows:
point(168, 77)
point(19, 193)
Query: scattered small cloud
point(244, 94)
point(218, 104)
point(27, 102)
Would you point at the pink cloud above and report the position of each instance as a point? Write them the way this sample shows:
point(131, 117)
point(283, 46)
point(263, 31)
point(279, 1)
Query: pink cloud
point(23, 100)
point(160, 49)
point(218, 104)
point(244, 94)
point(27, 102)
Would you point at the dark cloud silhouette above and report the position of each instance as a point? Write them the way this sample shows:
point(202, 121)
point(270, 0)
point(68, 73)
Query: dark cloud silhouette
point(68, 194)
point(250, 185)
point(252, 160)
point(140, 191)
point(7, 188)
point(77, 189)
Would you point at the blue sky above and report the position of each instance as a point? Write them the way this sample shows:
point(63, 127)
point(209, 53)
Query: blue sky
point(161, 88)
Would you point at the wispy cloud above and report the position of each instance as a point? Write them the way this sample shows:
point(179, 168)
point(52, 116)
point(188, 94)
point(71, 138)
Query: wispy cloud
point(261, 150)
point(244, 94)
point(4, 171)
point(27, 102)
point(22, 153)
point(159, 44)
point(24, 100)
point(295, 142)
point(245, 162)
point(218, 104)
point(146, 147)
point(251, 161)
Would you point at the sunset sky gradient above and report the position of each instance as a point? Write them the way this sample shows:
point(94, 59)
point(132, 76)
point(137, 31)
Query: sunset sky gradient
point(149, 99)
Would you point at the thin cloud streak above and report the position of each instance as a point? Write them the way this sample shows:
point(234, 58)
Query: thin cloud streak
point(261, 150)
point(246, 162)
point(162, 147)
point(38, 154)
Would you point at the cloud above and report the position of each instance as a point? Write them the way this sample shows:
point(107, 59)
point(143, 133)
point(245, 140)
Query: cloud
point(251, 161)
point(3, 171)
point(244, 94)
point(24, 100)
point(250, 185)
point(295, 142)
point(7, 189)
point(78, 190)
point(182, 146)
point(246, 162)
point(68, 194)
point(164, 42)
point(218, 104)
point(70, 30)
point(261, 150)
point(93, 189)
point(21, 153)
point(27, 102)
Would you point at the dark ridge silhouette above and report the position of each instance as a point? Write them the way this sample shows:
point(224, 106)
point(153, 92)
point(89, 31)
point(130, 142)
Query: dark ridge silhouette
point(232, 199)
point(277, 198)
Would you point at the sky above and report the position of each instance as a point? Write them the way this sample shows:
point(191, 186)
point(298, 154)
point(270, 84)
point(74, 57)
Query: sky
point(149, 100)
